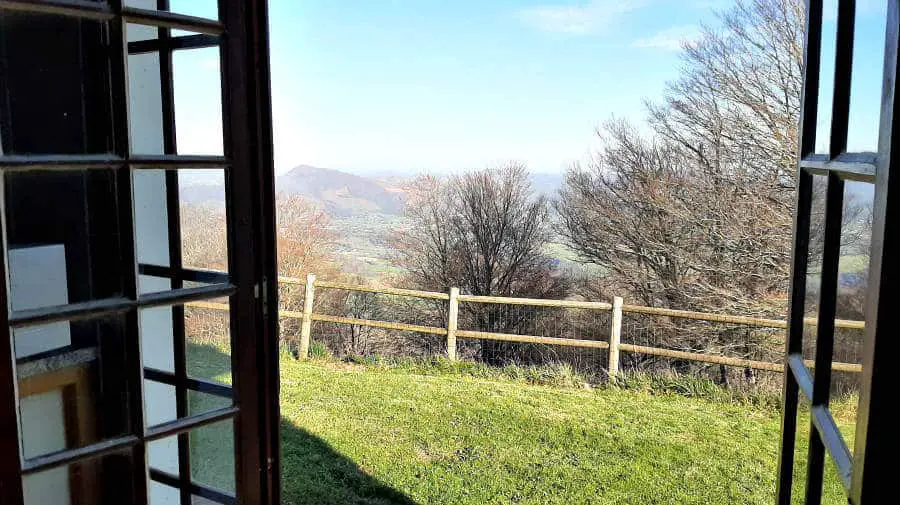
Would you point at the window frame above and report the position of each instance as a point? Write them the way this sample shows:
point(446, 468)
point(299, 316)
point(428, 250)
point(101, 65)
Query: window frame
point(865, 474)
point(241, 32)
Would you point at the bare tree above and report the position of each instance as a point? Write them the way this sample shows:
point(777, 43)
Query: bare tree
point(305, 245)
point(482, 231)
point(698, 214)
point(736, 103)
point(204, 237)
point(672, 236)
point(305, 239)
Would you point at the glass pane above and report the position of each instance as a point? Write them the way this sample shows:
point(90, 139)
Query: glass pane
point(207, 354)
point(212, 456)
point(108, 479)
point(198, 8)
point(200, 215)
point(208, 341)
point(826, 76)
point(161, 402)
point(63, 238)
point(853, 276)
point(162, 455)
point(204, 232)
point(72, 115)
point(145, 108)
point(198, 101)
point(157, 338)
point(814, 267)
point(151, 223)
point(866, 81)
point(161, 494)
point(199, 500)
point(200, 403)
point(73, 384)
point(135, 32)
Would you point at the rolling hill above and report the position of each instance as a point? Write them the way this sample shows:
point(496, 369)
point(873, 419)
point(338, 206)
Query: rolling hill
point(364, 211)
point(340, 193)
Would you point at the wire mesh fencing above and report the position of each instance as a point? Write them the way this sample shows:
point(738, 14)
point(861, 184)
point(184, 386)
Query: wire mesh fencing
point(710, 338)
point(343, 322)
point(572, 328)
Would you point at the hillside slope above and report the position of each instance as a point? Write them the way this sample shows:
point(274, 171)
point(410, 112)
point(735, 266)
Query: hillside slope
point(340, 193)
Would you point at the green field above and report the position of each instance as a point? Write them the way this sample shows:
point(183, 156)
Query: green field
point(380, 435)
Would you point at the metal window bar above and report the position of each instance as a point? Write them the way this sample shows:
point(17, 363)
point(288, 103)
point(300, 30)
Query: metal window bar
point(188, 383)
point(160, 431)
point(247, 128)
point(95, 308)
point(185, 274)
point(848, 166)
point(193, 488)
point(173, 43)
point(794, 338)
point(873, 475)
point(173, 213)
point(843, 67)
point(839, 166)
point(10, 467)
point(76, 162)
point(132, 335)
point(102, 11)
point(825, 337)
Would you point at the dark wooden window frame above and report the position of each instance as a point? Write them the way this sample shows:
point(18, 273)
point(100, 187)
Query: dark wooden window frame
point(242, 33)
point(867, 473)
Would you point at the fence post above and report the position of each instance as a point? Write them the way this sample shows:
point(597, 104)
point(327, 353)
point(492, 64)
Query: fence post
point(452, 317)
point(615, 337)
point(306, 325)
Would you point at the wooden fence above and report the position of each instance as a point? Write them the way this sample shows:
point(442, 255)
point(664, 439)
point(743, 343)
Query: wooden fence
point(452, 332)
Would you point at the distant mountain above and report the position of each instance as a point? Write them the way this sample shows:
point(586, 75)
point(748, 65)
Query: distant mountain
point(208, 194)
point(343, 194)
point(340, 193)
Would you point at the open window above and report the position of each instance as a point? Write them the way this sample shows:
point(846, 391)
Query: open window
point(107, 396)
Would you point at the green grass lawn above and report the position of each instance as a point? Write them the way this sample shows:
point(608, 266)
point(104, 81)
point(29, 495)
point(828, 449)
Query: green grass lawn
point(380, 435)
point(364, 434)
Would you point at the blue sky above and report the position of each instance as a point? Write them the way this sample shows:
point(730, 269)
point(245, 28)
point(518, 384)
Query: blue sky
point(408, 85)
point(440, 85)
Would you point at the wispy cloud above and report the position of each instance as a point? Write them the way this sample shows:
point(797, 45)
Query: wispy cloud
point(578, 19)
point(669, 39)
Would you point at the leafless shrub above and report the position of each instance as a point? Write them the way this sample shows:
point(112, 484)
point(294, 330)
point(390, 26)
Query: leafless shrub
point(483, 232)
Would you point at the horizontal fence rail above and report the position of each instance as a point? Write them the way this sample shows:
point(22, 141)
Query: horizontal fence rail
point(536, 302)
point(532, 339)
point(615, 346)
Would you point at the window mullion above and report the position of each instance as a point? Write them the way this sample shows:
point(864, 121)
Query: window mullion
point(118, 50)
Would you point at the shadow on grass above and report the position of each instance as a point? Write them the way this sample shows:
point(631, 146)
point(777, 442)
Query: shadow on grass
point(312, 472)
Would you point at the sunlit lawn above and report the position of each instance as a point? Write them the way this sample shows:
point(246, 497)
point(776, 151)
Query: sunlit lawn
point(376, 435)
point(372, 435)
